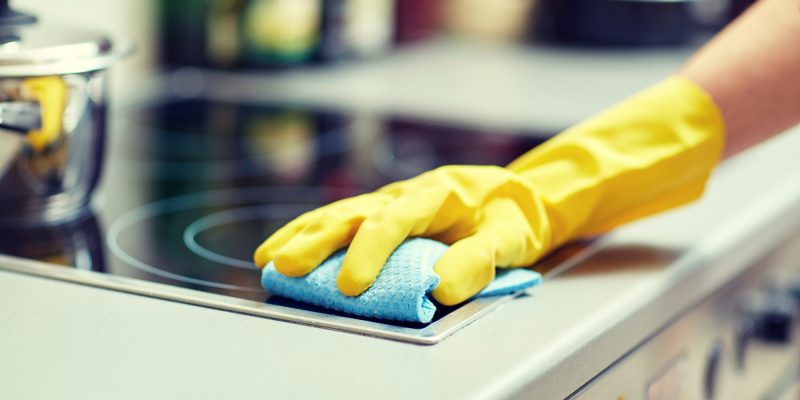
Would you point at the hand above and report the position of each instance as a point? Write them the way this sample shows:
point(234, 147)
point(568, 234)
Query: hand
point(490, 215)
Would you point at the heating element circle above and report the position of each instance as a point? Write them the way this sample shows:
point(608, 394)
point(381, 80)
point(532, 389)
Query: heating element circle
point(251, 204)
point(226, 217)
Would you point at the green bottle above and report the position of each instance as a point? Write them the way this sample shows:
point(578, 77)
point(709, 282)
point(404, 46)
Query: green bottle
point(280, 32)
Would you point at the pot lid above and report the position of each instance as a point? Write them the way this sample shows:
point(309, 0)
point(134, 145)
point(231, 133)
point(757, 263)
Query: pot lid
point(31, 48)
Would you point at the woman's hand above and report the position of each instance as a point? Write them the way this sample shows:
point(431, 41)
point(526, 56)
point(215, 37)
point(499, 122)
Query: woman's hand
point(490, 215)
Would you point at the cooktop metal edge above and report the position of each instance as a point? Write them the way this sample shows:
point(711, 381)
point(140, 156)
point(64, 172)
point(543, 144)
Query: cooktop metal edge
point(428, 335)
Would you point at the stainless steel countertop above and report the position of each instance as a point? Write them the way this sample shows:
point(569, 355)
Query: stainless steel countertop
point(62, 340)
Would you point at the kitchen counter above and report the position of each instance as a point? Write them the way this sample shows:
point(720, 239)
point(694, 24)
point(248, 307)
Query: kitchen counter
point(543, 88)
point(67, 340)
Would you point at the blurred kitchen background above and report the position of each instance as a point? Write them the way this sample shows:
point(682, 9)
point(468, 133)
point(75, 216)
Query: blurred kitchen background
point(534, 64)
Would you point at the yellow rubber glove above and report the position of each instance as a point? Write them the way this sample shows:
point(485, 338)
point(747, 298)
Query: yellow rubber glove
point(51, 93)
point(649, 153)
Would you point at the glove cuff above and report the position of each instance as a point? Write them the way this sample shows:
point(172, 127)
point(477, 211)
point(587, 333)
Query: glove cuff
point(649, 153)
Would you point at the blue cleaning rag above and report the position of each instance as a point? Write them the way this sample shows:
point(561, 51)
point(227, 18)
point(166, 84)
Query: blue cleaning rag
point(399, 293)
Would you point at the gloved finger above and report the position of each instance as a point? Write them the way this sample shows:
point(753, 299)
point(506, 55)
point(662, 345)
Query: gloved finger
point(266, 251)
point(376, 239)
point(465, 269)
point(383, 231)
point(503, 238)
point(316, 242)
point(505, 224)
point(359, 205)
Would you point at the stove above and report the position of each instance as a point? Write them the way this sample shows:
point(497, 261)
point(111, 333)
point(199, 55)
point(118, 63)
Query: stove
point(695, 303)
point(193, 186)
point(701, 302)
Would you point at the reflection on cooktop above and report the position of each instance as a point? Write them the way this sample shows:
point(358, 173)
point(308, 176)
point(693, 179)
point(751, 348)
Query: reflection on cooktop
point(77, 244)
point(196, 185)
point(176, 140)
point(409, 148)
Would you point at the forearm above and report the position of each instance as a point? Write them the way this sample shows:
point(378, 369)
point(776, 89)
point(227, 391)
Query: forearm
point(752, 71)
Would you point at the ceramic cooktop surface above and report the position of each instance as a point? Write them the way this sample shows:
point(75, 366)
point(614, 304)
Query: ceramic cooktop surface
point(192, 187)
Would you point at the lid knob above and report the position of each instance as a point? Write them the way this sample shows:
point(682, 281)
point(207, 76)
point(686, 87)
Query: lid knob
point(11, 17)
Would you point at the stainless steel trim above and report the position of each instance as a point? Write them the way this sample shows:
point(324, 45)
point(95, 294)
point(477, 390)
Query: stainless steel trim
point(431, 334)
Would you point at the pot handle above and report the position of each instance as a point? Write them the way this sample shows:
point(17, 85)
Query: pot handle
point(20, 116)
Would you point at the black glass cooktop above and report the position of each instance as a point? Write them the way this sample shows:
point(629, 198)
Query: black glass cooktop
point(192, 187)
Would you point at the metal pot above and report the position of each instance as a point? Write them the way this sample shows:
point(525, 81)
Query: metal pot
point(52, 117)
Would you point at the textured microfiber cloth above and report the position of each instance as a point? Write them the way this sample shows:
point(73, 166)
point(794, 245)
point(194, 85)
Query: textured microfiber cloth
point(399, 293)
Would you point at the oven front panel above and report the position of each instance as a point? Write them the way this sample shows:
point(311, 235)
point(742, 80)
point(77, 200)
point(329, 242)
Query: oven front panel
point(741, 343)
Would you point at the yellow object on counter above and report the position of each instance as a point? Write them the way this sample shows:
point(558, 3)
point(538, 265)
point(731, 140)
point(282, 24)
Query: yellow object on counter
point(51, 93)
point(649, 153)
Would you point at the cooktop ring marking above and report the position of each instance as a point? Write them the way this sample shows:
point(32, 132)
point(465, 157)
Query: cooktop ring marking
point(188, 202)
point(223, 218)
